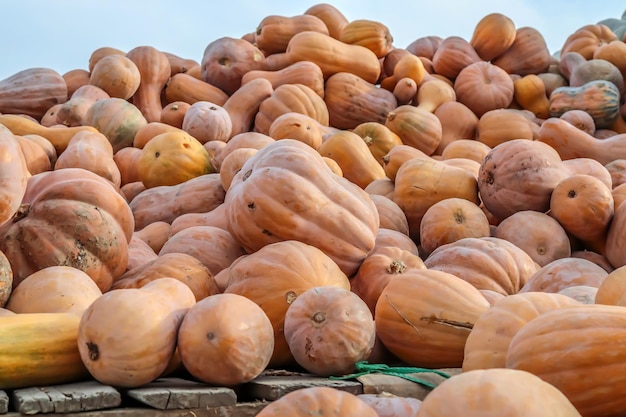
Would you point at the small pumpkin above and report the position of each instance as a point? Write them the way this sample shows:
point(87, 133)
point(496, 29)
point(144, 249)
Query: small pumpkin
point(117, 75)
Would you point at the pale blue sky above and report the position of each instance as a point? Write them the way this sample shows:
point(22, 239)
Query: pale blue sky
point(62, 34)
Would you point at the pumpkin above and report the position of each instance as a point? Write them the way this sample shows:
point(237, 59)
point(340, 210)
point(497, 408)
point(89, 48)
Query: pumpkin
point(588, 327)
point(599, 98)
point(390, 214)
point(394, 238)
point(126, 161)
point(501, 125)
point(154, 69)
point(372, 34)
point(584, 206)
point(189, 89)
point(213, 347)
point(483, 86)
point(180, 266)
point(207, 121)
point(544, 238)
point(565, 272)
point(233, 163)
point(428, 331)
point(55, 289)
point(493, 35)
point(167, 202)
point(452, 55)
point(150, 130)
point(421, 182)
point(39, 349)
point(488, 342)
point(530, 93)
point(474, 394)
point(357, 163)
point(485, 262)
point(117, 119)
point(32, 92)
point(408, 66)
point(586, 39)
point(274, 32)
point(465, 148)
point(328, 330)
point(433, 93)
point(615, 242)
point(319, 401)
point(425, 46)
point(73, 111)
point(179, 64)
point(139, 253)
point(70, 217)
point(146, 321)
point(294, 125)
point(289, 268)
point(332, 17)
point(405, 90)
point(571, 142)
point(154, 234)
point(416, 127)
point(458, 122)
point(381, 266)
point(378, 138)
point(91, 151)
point(101, 52)
point(612, 291)
point(302, 72)
point(243, 105)
point(213, 246)
point(334, 56)
point(449, 220)
point(390, 405)
point(254, 140)
point(226, 59)
point(13, 175)
point(528, 54)
point(345, 228)
point(117, 75)
point(613, 52)
point(519, 174)
point(582, 293)
point(350, 101)
point(74, 79)
point(596, 69)
point(581, 119)
point(173, 113)
point(6, 280)
point(172, 158)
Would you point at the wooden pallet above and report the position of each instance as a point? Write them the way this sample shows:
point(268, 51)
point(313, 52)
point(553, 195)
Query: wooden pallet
point(178, 397)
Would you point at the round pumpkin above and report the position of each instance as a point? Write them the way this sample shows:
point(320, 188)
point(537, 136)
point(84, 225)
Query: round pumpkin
point(225, 339)
point(328, 329)
point(172, 158)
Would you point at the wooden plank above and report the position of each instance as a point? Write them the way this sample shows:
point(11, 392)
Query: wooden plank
point(67, 398)
point(272, 387)
point(177, 393)
point(377, 383)
point(4, 402)
point(247, 409)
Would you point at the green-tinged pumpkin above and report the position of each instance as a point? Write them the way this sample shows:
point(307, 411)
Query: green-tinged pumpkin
point(38, 349)
point(599, 98)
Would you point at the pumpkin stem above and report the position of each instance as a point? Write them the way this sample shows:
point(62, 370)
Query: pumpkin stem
point(21, 212)
point(396, 267)
point(319, 317)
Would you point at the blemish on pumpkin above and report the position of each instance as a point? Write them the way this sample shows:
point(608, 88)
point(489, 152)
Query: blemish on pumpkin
point(210, 336)
point(157, 154)
point(459, 218)
point(224, 62)
point(404, 318)
point(572, 194)
point(93, 351)
point(251, 206)
point(290, 296)
point(246, 175)
point(266, 232)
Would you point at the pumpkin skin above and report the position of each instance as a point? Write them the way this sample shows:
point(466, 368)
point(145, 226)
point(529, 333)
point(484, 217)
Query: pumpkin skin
point(482, 86)
point(371, 34)
point(55, 289)
point(302, 72)
point(615, 241)
point(544, 238)
point(180, 266)
point(519, 174)
point(563, 273)
point(274, 32)
point(243, 105)
point(207, 121)
point(289, 268)
point(390, 214)
point(213, 347)
point(599, 98)
point(73, 111)
point(117, 75)
point(331, 16)
point(88, 228)
point(501, 125)
point(428, 331)
point(189, 89)
point(474, 394)
point(489, 340)
point(612, 290)
point(13, 175)
point(155, 70)
point(381, 266)
point(173, 113)
point(6, 280)
point(591, 328)
point(39, 349)
point(152, 313)
point(458, 122)
point(493, 35)
point(346, 227)
point(416, 127)
point(488, 263)
point(449, 220)
point(322, 401)
point(529, 53)
point(390, 405)
point(378, 138)
point(587, 39)
point(393, 238)
point(530, 93)
point(172, 158)
point(329, 329)
point(32, 92)
point(452, 55)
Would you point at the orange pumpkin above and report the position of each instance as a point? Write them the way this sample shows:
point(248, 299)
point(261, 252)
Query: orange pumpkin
point(452, 55)
point(117, 75)
point(493, 35)
point(274, 32)
point(416, 127)
point(565, 272)
point(529, 53)
point(483, 86)
point(154, 69)
point(13, 175)
point(586, 39)
point(32, 92)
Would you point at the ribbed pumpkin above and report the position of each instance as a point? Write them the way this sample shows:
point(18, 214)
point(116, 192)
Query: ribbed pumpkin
point(32, 92)
point(70, 217)
point(326, 210)
point(274, 276)
point(565, 272)
point(488, 263)
point(416, 127)
point(529, 53)
point(482, 86)
point(13, 175)
point(544, 347)
point(116, 74)
point(489, 340)
point(424, 317)
point(493, 35)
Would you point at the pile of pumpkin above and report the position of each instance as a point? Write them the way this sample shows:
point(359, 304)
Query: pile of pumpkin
point(311, 196)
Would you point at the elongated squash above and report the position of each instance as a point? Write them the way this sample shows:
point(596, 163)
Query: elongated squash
point(39, 349)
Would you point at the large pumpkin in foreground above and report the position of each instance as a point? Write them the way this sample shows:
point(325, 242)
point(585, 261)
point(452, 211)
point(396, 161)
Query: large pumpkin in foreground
point(287, 192)
point(69, 217)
